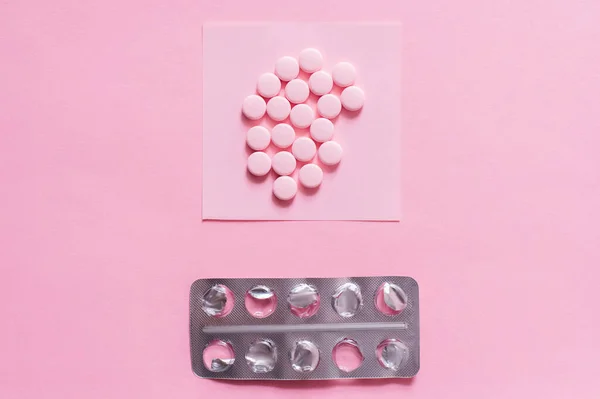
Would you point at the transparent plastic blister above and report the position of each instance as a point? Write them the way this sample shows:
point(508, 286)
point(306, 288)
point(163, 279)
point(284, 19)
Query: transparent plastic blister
point(305, 328)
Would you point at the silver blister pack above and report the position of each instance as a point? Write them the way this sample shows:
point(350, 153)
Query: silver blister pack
point(305, 328)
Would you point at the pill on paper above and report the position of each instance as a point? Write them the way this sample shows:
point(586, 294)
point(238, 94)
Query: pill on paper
point(330, 153)
point(259, 163)
point(287, 68)
point(268, 85)
point(254, 107)
point(321, 130)
point(343, 74)
point(310, 60)
point(304, 149)
point(296, 91)
point(278, 108)
point(302, 116)
point(320, 83)
point(310, 175)
point(353, 98)
point(284, 163)
point(258, 138)
point(285, 188)
point(329, 106)
point(283, 135)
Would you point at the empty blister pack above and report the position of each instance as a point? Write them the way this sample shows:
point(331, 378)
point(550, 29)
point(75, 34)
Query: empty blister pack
point(305, 328)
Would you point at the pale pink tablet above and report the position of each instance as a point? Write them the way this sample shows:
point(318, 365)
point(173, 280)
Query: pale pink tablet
point(268, 85)
point(259, 163)
point(320, 83)
point(284, 163)
point(254, 107)
point(285, 188)
point(310, 60)
point(343, 74)
point(296, 91)
point(304, 149)
point(330, 153)
point(310, 175)
point(283, 135)
point(287, 68)
point(321, 130)
point(258, 138)
point(278, 108)
point(302, 116)
point(329, 106)
point(353, 98)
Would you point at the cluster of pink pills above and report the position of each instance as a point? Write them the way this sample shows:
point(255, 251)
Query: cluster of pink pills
point(288, 108)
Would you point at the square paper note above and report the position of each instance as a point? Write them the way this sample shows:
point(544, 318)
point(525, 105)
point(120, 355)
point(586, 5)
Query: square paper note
point(365, 184)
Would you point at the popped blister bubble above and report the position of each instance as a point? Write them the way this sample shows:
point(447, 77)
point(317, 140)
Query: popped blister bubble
point(347, 355)
point(347, 299)
point(262, 356)
point(392, 354)
point(390, 299)
point(304, 300)
point(261, 301)
point(217, 301)
point(218, 356)
point(304, 356)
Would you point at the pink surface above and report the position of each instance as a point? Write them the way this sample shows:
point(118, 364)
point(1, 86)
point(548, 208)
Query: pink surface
point(100, 182)
point(366, 184)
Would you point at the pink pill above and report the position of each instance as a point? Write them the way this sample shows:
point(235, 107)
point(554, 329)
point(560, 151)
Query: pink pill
point(330, 153)
point(320, 83)
point(268, 85)
point(310, 60)
point(258, 138)
point(304, 149)
point(287, 68)
point(284, 163)
point(278, 108)
point(283, 135)
point(310, 175)
point(296, 91)
point(343, 74)
point(302, 116)
point(353, 98)
point(321, 130)
point(254, 107)
point(285, 188)
point(329, 106)
point(259, 163)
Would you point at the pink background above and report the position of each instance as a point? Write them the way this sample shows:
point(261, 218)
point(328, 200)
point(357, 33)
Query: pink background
point(100, 196)
point(365, 185)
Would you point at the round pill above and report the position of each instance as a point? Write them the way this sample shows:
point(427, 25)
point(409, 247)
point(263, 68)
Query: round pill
point(302, 115)
point(320, 83)
point(254, 107)
point(310, 175)
point(284, 163)
point(268, 85)
point(285, 188)
point(304, 149)
point(330, 153)
point(321, 130)
point(329, 106)
point(259, 163)
point(310, 60)
point(287, 68)
point(296, 91)
point(353, 98)
point(258, 138)
point(283, 135)
point(278, 108)
point(343, 74)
